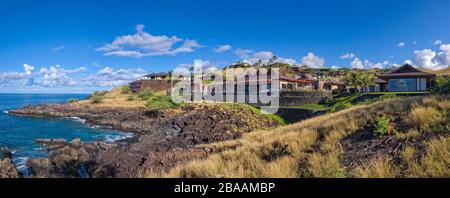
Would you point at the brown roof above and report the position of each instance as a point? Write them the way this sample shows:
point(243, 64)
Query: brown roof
point(407, 71)
point(409, 74)
point(296, 80)
point(379, 81)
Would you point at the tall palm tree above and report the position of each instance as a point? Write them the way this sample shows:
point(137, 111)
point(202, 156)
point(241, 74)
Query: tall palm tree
point(367, 79)
point(353, 79)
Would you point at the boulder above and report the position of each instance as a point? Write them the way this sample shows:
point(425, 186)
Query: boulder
point(52, 143)
point(7, 168)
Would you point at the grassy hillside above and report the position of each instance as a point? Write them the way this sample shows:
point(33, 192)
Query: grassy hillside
point(115, 98)
point(445, 71)
point(401, 137)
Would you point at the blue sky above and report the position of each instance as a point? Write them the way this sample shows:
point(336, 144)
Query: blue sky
point(80, 46)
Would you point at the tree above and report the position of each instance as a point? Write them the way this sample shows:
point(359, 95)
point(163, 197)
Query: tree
point(273, 59)
point(442, 84)
point(367, 79)
point(353, 79)
point(258, 64)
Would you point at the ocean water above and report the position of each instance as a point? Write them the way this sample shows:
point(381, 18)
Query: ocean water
point(19, 132)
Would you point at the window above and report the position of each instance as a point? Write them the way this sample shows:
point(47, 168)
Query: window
point(403, 84)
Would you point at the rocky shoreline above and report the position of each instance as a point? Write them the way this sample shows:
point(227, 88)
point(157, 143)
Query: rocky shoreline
point(162, 139)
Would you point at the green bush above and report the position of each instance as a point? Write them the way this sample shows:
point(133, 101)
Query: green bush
point(146, 94)
point(72, 100)
point(382, 125)
point(99, 93)
point(387, 96)
point(130, 98)
point(125, 89)
point(161, 102)
point(95, 99)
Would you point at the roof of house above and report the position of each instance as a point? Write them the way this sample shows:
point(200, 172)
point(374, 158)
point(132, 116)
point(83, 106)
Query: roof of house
point(407, 71)
point(295, 80)
point(159, 74)
point(379, 81)
point(334, 81)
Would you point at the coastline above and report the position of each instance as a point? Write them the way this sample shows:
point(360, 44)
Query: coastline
point(170, 137)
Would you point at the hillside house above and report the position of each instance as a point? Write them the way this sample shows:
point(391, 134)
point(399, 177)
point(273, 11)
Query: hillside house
point(404, 79)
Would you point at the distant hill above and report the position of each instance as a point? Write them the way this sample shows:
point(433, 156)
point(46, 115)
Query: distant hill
point(445, 71)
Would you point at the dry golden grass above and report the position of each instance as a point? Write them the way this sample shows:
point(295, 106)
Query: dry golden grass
point(116, 99)
point(434, 163)
point(426, 117)
point(379, 167)
point(313, 145)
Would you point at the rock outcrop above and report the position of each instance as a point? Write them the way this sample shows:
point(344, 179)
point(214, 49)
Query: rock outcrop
point(7, 168)
point(162, 139)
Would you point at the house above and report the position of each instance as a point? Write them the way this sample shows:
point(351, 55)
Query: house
point(155, 81)
point(157, 76)
point(404, 79)
point(289, 84)
point(329, 85)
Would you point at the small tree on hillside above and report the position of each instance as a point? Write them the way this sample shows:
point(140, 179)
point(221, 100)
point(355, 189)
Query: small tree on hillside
point(353, 79)
point(367, 79)
point(442, 85)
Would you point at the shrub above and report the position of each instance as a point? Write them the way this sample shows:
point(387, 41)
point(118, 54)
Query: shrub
point(387, 96)
point(130, 98)
point(161, 102)
point(382, 126)
point(125, 89)
point(72, 100)
point(95, 99)
point(99, 93)
point(146, 94)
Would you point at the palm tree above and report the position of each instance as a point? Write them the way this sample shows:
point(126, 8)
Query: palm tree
point(353, 79)
point(367, 79)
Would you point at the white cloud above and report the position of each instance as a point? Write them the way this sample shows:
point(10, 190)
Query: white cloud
point(142, 44)
point(335, 67)
point(431, 59)
point(53, 76)
point(401, 44)
point(57, 76)
point(251, 57)
point(313, 61)
point(347, 56)
point(243, 53)
point(59, 48)
point(28, 69)
point(205, 65)
point(356, 64)
point(222, 48)
point(366, 64)
point(11, 78)
point(437, 42)
point(109, 77)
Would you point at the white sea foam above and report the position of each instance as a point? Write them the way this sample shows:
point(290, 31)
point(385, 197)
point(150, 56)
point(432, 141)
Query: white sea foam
point(111, 138)
point(78, 119)
point(5, 112)
point(20, 163)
